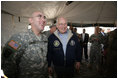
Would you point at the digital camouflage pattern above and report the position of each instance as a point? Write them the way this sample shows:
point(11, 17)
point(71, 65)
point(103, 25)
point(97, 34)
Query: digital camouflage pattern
point(29, 59)
point(111, 55)
point(95, 49)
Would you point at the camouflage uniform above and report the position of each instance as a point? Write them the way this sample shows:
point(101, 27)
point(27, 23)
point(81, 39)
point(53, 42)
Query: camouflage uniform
point(104, 39)
point(24, 55)
point(95, 50)
point(111, 55)
point(47, 33)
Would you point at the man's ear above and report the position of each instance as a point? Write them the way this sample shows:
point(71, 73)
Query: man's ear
point(30, 20)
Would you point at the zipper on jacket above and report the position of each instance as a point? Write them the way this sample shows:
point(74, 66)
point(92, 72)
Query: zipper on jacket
point(64, 60)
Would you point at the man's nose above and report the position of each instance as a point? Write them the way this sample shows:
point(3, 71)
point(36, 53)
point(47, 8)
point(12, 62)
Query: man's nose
point(65, 25)
point(43, 19)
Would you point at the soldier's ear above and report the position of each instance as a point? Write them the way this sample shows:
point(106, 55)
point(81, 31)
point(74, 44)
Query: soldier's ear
point(30, 20)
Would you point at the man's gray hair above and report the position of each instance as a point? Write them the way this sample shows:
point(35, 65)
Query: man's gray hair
point(59, 18)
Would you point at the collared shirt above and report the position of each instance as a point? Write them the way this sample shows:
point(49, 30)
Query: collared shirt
point(83, 36)
point(64, 38)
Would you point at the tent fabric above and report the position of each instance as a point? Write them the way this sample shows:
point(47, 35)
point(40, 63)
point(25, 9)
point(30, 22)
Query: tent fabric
point(14, 14)
point(82, 12)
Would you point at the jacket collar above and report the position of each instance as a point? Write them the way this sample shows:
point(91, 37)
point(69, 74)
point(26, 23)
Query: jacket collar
point(70, 34)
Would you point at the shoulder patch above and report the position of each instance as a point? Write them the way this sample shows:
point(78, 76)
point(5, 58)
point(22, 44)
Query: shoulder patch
point(14, 44)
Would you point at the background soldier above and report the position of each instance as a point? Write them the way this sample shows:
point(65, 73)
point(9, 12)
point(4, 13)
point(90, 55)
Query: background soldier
point(95, 50)
point(52, 30)
point(24, 55)
point(111, 55)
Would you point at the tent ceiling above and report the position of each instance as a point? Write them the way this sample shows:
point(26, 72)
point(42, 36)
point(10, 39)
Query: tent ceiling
point(82, 12)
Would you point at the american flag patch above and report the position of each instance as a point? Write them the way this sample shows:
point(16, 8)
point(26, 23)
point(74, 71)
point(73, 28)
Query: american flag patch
point(13, 44)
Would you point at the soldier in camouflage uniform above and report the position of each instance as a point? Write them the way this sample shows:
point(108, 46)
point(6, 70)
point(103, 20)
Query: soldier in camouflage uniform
point(24, 55)
point(111, 55)
point(95, 50)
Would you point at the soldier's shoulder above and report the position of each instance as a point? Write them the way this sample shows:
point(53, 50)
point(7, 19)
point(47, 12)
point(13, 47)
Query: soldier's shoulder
point(113, 32)
point(18, 38)
point(44, 37)
point(15, 37)
point(20, 35)
point(92, 35)
point(16, 41)
point(46, 32)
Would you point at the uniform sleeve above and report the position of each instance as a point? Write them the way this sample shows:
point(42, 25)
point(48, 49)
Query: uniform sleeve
point(49, 52)
point(101, 39)
point(9, 54)
point(78, 51)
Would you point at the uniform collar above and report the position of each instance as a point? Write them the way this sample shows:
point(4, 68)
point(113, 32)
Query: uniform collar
point(42, 36)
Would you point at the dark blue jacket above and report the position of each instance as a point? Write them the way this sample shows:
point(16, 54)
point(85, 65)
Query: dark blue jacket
point(55, 52)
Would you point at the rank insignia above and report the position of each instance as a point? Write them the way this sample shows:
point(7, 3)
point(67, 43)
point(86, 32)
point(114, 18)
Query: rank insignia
point(72, 43)
point(56, 43)
point(14, 44)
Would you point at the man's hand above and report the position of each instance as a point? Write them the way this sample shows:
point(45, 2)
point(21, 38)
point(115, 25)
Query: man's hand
point(50, 71)
point(77, 65)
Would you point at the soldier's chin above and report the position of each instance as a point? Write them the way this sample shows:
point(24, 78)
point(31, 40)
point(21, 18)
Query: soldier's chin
point(41, 29)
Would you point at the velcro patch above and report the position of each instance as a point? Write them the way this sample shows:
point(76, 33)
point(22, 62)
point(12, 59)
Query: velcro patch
point(14, 44)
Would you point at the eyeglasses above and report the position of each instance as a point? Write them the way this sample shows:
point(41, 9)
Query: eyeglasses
point(61, 24)
point(41, 16)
